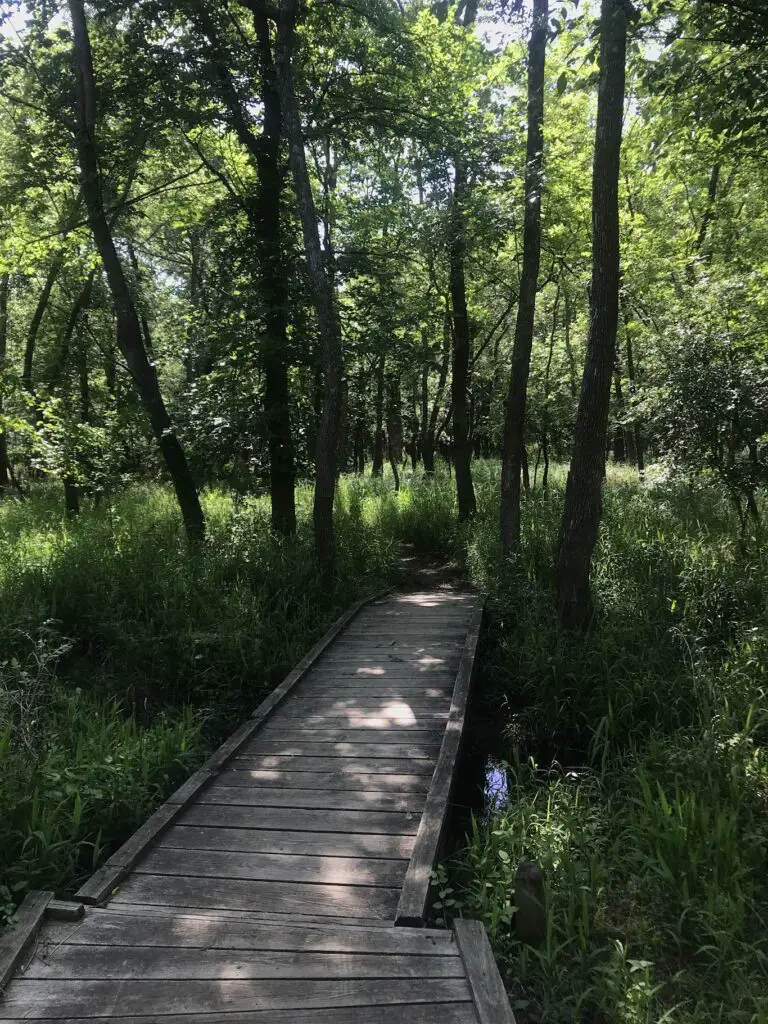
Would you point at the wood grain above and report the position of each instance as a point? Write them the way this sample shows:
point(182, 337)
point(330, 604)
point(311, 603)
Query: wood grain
point(412, 907)
point(488, 994)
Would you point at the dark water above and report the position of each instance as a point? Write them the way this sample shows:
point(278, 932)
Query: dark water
point(482, 777)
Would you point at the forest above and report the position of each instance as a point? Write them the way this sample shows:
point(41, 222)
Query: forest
point(289, 288)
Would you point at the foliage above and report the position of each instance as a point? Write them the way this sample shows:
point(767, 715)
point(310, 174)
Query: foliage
point(632, 767)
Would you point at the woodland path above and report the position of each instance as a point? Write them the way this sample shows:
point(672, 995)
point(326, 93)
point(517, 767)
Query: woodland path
point(288, 879)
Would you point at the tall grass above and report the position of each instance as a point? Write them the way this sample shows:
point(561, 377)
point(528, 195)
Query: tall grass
point(124, 659)
point(633, 759)
point(635, 763)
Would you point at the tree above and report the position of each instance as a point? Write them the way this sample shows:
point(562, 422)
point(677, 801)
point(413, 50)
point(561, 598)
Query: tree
point(514, 419)
point(129, 333)
point(583, 496)
point(5, 466)
point(323, 290)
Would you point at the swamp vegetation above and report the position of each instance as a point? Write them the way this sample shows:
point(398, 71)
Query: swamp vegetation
point(290, 288)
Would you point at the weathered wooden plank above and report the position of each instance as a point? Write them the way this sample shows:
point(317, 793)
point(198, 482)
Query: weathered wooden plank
point(274, 778)
point(312, 799)
point(334, 765)
point(491, 1002)
point(458, 1012)
point(255, 840)
point(371, 689)
point(286, 819)
point(83, 999)
point(155, 927)
point(257, 916)
point(139, 963)
point(64, 910)
point(98, 887)
point(325, 748)
point(412, 907)
point(365, 704)
point(241, 894)
point(359, 730)
point(16, 939)
point(272, 867)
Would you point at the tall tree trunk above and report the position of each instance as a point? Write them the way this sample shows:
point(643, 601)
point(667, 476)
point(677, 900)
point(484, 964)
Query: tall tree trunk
point(583, 496)
point(80, 305)
point(5, 466)
point(379, 438)
point(394, 426)
point(462, 448)
point(36, 322)
point(266, 222)
point(282, 470)
point(637, 434)
point(323, 292)
point(517, 395)
point(129, 336)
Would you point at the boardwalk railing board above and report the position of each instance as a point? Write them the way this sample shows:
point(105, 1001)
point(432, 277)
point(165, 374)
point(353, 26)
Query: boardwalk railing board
point(114, 870)
point(488, 992)
point(414, 898)
point(16, 939)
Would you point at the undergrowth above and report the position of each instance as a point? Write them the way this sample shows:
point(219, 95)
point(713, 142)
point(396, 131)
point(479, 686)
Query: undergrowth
point(632, 765)
point(124, 659)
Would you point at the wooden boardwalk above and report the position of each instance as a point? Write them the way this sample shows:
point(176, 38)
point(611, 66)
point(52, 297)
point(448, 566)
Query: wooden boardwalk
point(267, 888)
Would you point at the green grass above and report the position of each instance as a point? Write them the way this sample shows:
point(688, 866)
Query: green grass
point(634, 758)
point(125, 660)
point(636, 766)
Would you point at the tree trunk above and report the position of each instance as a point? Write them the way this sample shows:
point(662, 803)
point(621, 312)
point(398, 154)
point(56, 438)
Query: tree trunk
point(637, 435)
point(5, 466)
point(80, 305)
point(619, 434)
point(462, 449)
point(323, 293)
point(583, 497)
point(377, 469)
point(35, 324)
point(282, 471)
point(517, 395)
point(394, 427)
point(129, 336)
point(266, 222)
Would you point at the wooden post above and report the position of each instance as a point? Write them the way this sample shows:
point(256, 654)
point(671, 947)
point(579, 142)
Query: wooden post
point(530, 900)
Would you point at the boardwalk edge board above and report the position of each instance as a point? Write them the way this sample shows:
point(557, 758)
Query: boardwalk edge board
point(414, 898)
point(16, 938)
point(488, 993)
point(101, 884)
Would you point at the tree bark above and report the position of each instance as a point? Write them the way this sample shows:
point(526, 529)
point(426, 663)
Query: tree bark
point(379, 438)
point(583, 497)
point(265, 218)
point(5, 466)
point(129, 335)
point(517, 395)
point(36, 322)
point(323, 292)
point(282, 470)
point(462, 448)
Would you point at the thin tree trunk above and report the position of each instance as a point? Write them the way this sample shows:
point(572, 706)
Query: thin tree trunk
point(80, 305)
point(36, 322)
point(568, 346)
point(5, 466)
point(129, 336)
point(637, 434)
point(517, 395)
point(323, 292)
point(462, 450)
point(583, 496)
point(377, 468)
